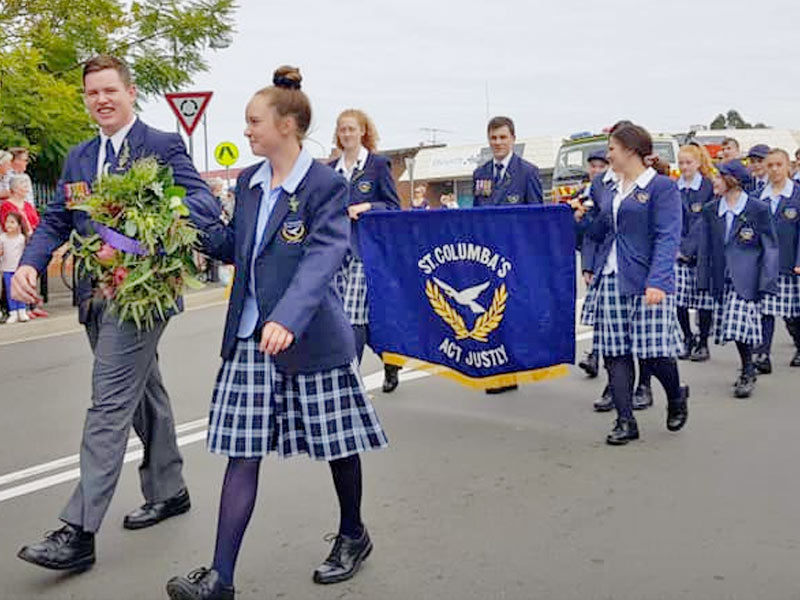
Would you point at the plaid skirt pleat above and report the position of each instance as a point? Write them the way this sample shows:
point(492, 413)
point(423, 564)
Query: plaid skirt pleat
point(257, 409)
point(589, 307)
point(686, 293)
point(786, 303)
point(627, 325)
point(351, 284)
point(737, 319)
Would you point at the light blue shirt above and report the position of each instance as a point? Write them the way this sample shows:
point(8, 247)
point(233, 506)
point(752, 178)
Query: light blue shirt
point(269, 198)
point(731, 213)
point(694, 185)
point(775, 198)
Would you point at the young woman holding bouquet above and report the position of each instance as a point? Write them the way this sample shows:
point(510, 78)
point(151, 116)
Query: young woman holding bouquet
point(289, 381)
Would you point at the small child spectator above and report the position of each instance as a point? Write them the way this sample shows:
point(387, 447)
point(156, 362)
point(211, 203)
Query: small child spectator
point(12, 243)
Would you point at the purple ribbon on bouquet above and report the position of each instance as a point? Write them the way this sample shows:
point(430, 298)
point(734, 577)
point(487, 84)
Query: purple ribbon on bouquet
point(119, 241)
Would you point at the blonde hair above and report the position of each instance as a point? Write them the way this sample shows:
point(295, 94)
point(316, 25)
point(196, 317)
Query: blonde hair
point(702, 157)
point(288, 100)
point(370, 138)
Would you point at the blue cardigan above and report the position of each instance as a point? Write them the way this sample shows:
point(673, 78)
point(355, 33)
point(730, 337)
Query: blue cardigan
point(520, 184)
point(648, 233)
point(306, 238)
point(374, 184)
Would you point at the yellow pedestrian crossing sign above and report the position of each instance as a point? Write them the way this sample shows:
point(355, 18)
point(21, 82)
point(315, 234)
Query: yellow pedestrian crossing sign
point(226, 153)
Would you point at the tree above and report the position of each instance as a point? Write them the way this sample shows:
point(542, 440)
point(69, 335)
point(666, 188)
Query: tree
point(43, 44)
point(733, 120)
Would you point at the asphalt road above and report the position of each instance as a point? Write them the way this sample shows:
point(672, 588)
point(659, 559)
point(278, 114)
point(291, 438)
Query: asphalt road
point(509, 497)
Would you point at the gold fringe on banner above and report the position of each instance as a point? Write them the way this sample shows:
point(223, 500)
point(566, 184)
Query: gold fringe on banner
point(478, 383)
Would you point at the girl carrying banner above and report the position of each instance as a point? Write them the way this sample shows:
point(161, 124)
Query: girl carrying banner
point(289, 381)
point(371, 188)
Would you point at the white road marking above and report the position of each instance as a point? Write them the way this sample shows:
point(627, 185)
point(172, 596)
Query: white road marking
point(372, 381)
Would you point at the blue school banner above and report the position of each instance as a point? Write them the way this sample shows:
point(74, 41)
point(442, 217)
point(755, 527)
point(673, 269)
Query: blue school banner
point(484, 296)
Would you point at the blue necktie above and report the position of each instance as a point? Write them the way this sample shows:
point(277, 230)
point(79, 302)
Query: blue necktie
point(110, 163)
point(498, 172)
point(760, 186)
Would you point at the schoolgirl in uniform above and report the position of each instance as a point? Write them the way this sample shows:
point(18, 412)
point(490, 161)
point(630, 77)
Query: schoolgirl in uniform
point(635, 279)
point(289, 380)
point(738, 264)
point(782, 196)
point(696, 191)
point(371, 188)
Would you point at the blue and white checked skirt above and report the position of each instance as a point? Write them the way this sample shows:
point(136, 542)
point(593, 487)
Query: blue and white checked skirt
point(737, 319)
point(627, 325)
point(686, 293)
point(589, 307)
point(256, 409)
point(786, 303)
point(351, 284)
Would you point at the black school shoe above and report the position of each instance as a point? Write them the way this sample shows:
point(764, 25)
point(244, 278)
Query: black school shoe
point(743, 388)
point(200, 584)
point(66, 549)
point(590, 364)
point(678, 411)
point(763, 364)
point(796, 360)
point(606, 401)
point(345, 558)
point(700, 353)
point(642, 397)
point(151, 513)
point(390, 378)
point(625, 430)
point(689, 346)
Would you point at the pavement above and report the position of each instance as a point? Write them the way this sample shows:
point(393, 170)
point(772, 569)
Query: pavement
point(478, 498)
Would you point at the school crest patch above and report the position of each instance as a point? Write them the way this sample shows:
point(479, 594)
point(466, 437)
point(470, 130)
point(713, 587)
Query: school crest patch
point(513, 198)
point(365, 187)
point(747, 234)
point(642, 197)
point(696, 207)
point(790, 213)
point(293, 232)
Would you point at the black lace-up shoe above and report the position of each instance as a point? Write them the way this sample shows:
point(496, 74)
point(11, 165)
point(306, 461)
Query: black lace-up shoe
point(678, 411)
point(743, 388)
point(66, 549)
point(763, 364)
point(625, 430)
point(151, 513)
point(642, 397)
point(590, 364)
point(345, 558)
point(200, 584)
point(606, 401)
point(390, 379)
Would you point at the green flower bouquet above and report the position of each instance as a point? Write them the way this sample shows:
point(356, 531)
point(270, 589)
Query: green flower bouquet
point(140, 254)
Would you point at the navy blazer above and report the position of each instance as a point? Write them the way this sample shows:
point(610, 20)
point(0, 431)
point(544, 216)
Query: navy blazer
point(648, 234)
point(750, 256)
point(81, 166)
point(591, 248)
point(520, 184)
point(787, 227)
point(293, 276)
point(693, 203)
point(374, 184)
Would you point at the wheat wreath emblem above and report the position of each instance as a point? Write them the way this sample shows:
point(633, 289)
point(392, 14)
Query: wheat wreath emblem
point(484, 325)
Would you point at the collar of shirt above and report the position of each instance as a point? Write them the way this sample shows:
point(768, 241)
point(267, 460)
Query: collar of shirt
point(724, 209)
point(363, 155)
point(117, 138)
point(505, 162)
point(695, 184)
point(641, 182)
point(610, 176)
point(786, 192)
point(263, 175)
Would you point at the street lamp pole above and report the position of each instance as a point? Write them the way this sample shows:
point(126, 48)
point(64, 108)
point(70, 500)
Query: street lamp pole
point(410, 161)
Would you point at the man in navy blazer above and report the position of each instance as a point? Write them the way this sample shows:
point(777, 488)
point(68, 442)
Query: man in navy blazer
point(127, 389)
point(507, 179)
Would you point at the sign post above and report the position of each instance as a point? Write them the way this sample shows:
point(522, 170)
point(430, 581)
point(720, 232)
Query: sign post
point(189, 108)
point(226, 155)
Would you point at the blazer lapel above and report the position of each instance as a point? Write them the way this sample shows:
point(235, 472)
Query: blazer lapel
point(88, 161)
point(250, 204)
point(279, 212)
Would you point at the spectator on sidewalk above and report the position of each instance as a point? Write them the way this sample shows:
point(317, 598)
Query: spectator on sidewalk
point(5, 174)
point(19, 164)
point(12, 244)
point(19, 202)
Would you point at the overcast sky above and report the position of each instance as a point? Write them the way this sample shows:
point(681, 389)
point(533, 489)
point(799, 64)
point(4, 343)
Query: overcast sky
point(554, 67)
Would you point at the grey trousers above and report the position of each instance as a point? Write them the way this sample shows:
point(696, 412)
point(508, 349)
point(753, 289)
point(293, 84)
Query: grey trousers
point(126, 390)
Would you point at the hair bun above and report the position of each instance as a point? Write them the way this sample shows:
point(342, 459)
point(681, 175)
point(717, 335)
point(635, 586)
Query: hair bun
point(287, 77)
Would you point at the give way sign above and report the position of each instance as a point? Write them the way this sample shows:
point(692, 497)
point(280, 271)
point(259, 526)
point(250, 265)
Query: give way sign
point(188, 107)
